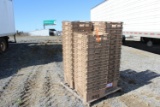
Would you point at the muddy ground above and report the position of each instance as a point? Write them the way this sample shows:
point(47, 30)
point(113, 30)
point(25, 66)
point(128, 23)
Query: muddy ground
point(31, 72)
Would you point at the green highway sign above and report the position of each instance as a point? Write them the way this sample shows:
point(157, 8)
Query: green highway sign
point(49, 22)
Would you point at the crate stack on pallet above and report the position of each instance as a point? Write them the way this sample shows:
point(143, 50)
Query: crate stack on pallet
point(68, 29)
point(94, 51)
point(90, 65)
point(114, 31)
point(68, 52)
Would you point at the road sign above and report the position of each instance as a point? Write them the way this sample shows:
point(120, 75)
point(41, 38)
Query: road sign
point(49, 22)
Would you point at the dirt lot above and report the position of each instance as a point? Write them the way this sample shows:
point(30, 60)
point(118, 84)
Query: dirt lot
point(31, 72)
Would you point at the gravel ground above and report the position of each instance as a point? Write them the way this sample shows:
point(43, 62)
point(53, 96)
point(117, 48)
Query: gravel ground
point(31, 72)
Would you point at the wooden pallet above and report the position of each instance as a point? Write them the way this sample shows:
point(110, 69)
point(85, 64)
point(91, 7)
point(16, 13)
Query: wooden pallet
point(111, 91)
point(88, 104)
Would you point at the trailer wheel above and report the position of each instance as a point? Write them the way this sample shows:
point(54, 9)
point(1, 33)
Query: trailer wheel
point(150, 43)
point(3, 45)
point(123, 39)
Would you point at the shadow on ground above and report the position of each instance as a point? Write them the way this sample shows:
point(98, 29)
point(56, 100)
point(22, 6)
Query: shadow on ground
point(142, 46)
point(131, 80)
point(23, 55)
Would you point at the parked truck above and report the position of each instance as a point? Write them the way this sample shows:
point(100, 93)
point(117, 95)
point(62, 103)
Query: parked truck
point(140, 17)
point(7, 24)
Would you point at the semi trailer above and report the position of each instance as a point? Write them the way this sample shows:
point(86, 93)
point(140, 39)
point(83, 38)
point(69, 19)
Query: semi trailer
point(140, 17)
point(7, 23)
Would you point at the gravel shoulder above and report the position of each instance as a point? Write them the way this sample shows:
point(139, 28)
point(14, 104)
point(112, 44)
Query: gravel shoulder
point(32, 69)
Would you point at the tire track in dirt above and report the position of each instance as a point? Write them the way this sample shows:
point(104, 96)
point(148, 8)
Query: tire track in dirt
point(11, 91)
point(53, 81)
point(6, 85)
point(59, 96)
point(32, 93)
point(26, 91)
point(47, 89)
point(49, 86)
point(59, 71)
point(38, 95)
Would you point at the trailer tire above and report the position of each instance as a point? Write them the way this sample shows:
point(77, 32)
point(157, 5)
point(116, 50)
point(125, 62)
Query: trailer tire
point(150, 43)
point(3, 45)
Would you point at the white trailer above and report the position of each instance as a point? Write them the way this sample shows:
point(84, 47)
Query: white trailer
point(140, 17)
point(7, 23)
point(43, 32)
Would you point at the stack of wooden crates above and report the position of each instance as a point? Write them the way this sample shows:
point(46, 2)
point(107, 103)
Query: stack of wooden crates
point(91, 57)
